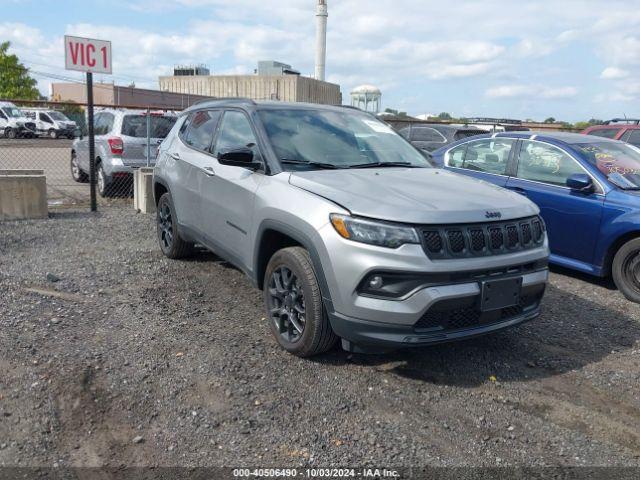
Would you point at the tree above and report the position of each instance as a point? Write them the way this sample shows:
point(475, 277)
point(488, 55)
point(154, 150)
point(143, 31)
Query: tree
point(15, 82)
point(444, 116)
point(550, 120)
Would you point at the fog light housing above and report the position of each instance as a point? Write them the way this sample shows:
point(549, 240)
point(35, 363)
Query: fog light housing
point(390, 285)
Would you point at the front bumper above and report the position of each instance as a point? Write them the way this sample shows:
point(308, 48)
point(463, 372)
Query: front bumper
point(453, 313)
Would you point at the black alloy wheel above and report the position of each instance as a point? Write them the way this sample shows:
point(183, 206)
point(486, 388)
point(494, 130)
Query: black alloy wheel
point(171, 243)
point(286, 304)
point(294, 304)
point(165, 226)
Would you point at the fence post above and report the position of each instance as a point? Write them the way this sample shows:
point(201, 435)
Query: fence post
point(148, 135)
point(92, 145)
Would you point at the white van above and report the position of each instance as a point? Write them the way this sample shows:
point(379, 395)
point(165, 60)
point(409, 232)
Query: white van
point(14, 123)
point(52, 123)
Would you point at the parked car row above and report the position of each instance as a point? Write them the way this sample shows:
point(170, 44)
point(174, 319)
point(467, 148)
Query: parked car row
point(626, 130)
point(32, 122)
point(587, 188)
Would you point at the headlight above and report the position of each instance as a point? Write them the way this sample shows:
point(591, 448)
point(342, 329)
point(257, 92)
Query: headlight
point(372, 232)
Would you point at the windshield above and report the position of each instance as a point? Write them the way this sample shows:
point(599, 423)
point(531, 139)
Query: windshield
point(136, 126)
point(13, 112)
point(58, 116)
point(618, 161)
point(335, 139)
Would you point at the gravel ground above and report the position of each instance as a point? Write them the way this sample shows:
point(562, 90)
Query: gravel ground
point(111, 354)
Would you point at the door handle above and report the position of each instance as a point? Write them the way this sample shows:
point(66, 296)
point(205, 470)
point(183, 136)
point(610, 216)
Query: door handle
point(175, 156)
point(208, 171)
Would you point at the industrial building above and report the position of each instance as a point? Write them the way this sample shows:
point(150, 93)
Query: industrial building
point(110, 94)
point(272, 81)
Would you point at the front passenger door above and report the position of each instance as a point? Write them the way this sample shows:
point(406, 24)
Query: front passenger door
point(227, 193)
point(572, 218)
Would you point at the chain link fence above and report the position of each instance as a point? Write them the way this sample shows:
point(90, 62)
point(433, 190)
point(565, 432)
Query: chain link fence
point(52, 136)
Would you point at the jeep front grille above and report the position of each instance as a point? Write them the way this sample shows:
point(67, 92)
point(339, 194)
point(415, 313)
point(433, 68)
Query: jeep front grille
point(482, 239)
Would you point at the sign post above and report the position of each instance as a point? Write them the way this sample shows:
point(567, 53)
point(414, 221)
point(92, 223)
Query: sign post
point(90, 56)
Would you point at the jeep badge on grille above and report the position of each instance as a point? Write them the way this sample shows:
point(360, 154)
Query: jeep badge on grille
point(493, 215)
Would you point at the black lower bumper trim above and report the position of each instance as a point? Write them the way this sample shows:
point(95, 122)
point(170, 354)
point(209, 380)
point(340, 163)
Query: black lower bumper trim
point(385, 336)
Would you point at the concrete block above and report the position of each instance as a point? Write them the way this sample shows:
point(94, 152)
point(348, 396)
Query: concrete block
point(23, 194)
point(143, 190)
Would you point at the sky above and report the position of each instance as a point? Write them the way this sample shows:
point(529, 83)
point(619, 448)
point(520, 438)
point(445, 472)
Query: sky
point(568, 59)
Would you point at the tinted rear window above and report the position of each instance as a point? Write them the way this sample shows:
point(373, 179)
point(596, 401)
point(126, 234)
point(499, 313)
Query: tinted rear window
point(460, 134)
point(136, 126)
point(605, 132)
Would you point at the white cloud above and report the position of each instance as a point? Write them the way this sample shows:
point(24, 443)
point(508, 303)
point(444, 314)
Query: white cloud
point(531, 91)
point(614, 73)
point(399, 45)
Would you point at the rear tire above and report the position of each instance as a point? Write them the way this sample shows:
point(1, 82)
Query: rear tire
point(626, 270)
point(53, 134)
point(104, 186)
point(76, 172)
point(293, 300)
point(171, 243)
point(10, 133)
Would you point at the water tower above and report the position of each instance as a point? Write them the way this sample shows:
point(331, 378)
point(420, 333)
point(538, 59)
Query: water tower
point(367, 98)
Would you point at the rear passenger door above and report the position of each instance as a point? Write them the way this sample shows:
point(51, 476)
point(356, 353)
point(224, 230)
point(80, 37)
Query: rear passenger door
point(227, 193)
point(485, 159)
point(190, 159)
point(572, 218)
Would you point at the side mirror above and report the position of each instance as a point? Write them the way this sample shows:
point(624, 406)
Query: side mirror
point(239, 157)
point(580, 182)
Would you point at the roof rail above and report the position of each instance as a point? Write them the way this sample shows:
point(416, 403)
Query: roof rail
point(631, 121)
point(241, 100)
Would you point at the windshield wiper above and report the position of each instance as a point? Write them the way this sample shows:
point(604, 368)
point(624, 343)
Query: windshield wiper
point(383, 165)
point(290, 161)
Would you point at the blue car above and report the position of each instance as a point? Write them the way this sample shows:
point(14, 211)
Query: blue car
point(587, 188)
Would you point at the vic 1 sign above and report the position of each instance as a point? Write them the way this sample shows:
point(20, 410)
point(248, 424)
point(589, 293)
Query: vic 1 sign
point(87, 55)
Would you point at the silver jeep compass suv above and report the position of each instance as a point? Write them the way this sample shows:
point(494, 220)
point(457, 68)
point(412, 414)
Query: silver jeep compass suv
point(346, 228)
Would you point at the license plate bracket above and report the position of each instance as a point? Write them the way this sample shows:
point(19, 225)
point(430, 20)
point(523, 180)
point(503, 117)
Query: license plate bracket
point(497, 294)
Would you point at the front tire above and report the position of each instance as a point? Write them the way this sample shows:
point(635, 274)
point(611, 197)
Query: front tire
point(294, 304)
point(53, 134)
point(626, 270)
point(10, 133)
point(171, 243)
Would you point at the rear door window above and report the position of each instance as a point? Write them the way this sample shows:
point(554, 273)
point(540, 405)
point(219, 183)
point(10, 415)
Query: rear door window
point(103, 123)
point(200, 127)
point(490, 155)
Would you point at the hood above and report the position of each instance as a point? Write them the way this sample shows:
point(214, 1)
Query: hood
point(414, 195)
